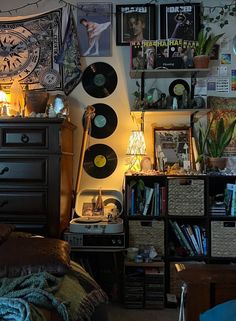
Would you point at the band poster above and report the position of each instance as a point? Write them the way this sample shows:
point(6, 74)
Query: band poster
point(180, 21)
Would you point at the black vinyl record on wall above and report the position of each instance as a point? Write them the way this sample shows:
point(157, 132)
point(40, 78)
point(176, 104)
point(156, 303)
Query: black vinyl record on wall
point(99, 80)
point(100, 161)
point(104, 123)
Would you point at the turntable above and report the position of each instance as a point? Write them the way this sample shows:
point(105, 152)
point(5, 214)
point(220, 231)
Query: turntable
point(96, 225)
point(108, 223)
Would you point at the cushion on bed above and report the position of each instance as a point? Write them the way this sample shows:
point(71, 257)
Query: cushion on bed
point(5, 230)
point(22, 256)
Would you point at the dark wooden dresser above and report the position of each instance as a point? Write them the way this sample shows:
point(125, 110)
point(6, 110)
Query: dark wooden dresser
point(36, 156)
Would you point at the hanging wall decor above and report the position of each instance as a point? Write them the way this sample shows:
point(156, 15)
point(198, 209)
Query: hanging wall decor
point(94, 28)
point(30, 46)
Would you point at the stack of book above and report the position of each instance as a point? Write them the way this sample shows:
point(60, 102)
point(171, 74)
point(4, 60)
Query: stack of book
point(152, 203)
point(192, 238)
point(154, 288)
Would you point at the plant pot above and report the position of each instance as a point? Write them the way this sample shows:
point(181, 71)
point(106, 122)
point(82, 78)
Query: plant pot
point(217, 162)
point(201, 61)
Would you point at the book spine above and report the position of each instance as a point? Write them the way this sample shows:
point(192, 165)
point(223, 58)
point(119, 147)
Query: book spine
point(178, 235)
point(163, 200)
point(204, 240)
point(197, 232)
point(157, 199)
point(183, 228)
point(187, 245)
point(148, 197)
point(191, 234)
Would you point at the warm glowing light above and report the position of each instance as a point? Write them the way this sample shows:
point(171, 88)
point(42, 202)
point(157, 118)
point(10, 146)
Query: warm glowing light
point(136, 145)
point(3, 97)
point(136, 148)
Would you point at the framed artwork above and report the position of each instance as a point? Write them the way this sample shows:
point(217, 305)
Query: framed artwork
point(135, 23)
point(94, 28)
point(180, 21)
point(171, 146)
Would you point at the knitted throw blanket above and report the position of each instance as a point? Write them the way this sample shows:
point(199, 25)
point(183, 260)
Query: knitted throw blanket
point(73, 296)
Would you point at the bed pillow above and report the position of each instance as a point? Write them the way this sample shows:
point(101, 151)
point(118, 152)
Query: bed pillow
point(22, 256)
point(5, 231)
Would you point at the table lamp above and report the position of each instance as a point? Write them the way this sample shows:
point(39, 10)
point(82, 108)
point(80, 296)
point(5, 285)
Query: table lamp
point(136, 149)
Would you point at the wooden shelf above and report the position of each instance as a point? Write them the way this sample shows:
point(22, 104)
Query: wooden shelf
point(198, 113)
point(169, 73)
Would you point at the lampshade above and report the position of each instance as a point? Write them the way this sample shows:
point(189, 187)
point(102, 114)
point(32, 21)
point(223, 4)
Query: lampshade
point(3, 96)
point(136, 145)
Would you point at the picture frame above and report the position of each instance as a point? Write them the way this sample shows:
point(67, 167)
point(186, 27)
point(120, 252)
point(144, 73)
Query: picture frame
point(95, 29)
point(173, 146)
point(135, 23)
point(180, 21)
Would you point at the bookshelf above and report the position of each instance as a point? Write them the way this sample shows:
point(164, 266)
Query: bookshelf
point(188, 225)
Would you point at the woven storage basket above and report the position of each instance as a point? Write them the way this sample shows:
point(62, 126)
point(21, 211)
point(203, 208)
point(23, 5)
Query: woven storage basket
point(147, 233)
point(185, 196)
point(223, 239)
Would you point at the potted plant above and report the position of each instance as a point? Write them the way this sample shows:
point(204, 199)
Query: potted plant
point(205, 43)
point(213, 140)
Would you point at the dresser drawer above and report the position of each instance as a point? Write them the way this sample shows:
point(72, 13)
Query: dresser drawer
point(25, 202)
point(24, 137)
point(23, 170)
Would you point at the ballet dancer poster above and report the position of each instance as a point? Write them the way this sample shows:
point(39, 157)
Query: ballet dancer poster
point(94, 29)
point(180, 21)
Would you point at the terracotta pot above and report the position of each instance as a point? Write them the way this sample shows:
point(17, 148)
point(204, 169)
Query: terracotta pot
point(217, 162)
point(201, 61)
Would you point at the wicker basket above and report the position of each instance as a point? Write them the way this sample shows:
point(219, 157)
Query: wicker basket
point(186, 196)
point(223, 236)
point(147, 233)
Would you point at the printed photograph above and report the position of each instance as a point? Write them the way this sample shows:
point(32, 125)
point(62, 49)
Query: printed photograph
point(180, 21)
point(94, 29)
point(135, 23)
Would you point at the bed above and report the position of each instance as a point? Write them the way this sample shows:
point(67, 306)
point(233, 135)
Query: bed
point(39, 281)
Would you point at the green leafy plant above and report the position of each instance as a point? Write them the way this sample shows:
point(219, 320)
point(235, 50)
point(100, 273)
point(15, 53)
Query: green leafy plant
point(206, 42)
point(212, 142)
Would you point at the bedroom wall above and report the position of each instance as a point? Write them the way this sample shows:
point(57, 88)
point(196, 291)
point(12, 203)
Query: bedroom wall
point(121, 98)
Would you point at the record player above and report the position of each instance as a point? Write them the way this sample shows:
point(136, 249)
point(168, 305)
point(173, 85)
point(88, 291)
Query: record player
point(96, 231)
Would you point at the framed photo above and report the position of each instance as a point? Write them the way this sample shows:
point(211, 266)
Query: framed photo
point(94, 28)
point(171, 146)
point(181, 21)
point(135, 23)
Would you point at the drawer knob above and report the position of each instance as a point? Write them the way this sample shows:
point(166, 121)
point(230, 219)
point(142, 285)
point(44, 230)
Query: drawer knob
point(5, 169)
point(25, 138)
point(3, 203)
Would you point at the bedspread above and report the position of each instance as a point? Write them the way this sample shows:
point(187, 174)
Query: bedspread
point(74, 296)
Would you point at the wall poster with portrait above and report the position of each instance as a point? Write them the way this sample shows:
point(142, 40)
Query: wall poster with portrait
point(171, 146)
point(135, 23)
point(181, 21)
point(94, 28)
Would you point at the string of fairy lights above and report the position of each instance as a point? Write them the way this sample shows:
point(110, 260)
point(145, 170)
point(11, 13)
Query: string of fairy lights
point(218, 11)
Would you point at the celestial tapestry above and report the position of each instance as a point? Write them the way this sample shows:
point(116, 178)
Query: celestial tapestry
point(30, 49)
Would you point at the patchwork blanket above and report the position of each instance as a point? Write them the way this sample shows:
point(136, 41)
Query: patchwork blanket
point(74, 296)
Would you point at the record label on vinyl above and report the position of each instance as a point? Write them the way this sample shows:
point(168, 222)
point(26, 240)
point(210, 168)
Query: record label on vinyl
point(177, 87)
point(99, 80)
point(104, 123)
point(100, 161)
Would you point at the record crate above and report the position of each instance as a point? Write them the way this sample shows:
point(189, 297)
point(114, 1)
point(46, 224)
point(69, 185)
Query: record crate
point(148, 232)
point(223, 235)
point(186, 196)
